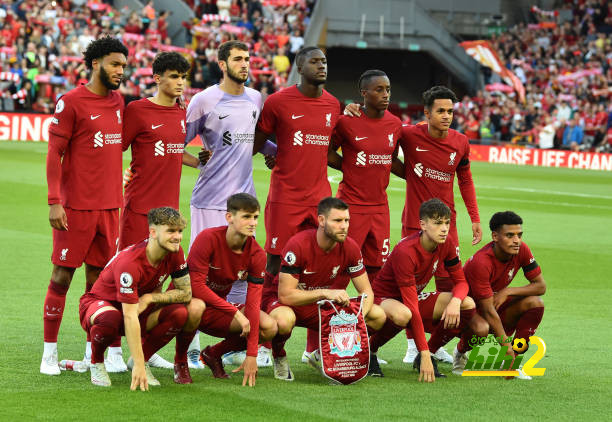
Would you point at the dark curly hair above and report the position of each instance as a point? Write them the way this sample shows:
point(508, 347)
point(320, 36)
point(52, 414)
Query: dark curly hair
point(505, 217)
point(101, 47)
point(438, 92)
point(170, 60)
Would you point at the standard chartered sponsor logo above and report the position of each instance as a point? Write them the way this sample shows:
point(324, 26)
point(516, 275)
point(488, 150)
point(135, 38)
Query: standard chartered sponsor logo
point(159, 149)
point(175, 148)
point(361, 158)
point(108, 138)
point(309, 139)
point(381, 159)
point(98, 140)
point(418, 169)
point(431, 173)
point(298, 138)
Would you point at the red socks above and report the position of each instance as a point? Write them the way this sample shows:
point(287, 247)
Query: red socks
point(183, 340)
point(278, 345)
point(312, 340)
point(382, 336)
point(529, 321)
point(441, 335)
point(232, 343)
point(53, 310)
point(172, 318)
point(103, 331)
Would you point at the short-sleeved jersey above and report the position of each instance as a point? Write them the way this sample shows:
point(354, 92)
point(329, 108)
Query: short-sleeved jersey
point(303, 128)
point(91, 166)
point(226, 123)
point(409, 264)
point(156, 134)
point(367, 152)
point(211, 256)
point(487, 275)
point(213, 266)
point(129, 275)
point(314, 268)
point(430, 170)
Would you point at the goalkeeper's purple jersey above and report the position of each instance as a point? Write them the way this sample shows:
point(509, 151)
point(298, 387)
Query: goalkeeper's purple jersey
point(226, 123)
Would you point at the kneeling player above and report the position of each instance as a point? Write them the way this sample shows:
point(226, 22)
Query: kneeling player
point(218, 257)
point(404, 276)
point(317, 265)
point(489, 272)
point(127, 295)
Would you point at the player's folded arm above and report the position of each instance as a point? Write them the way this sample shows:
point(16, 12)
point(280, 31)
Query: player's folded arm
point(182, 291)
point(201, 291)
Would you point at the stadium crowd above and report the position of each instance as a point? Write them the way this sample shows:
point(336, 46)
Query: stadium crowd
point(563, 59)
point(41, 44)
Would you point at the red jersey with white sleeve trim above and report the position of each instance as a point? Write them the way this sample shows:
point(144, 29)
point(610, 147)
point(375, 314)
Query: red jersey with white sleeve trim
point(367, 152)
point(314, 268)
point(129, 275)
point(487, 275)
point(408, 270)
point(303, 128)
point(156, 134)
point(431, 165)
point(214, 267)
point(86, 134)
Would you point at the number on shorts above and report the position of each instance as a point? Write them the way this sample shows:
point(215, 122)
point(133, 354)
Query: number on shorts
point(423, 295)
point(385, 248)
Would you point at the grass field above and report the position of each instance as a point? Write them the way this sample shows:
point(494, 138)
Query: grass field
point(567, 216)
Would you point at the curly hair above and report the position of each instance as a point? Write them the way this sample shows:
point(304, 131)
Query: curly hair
point(434, 209)
point(506, 217)
point(170, 60)
point(101, 47)
point(438, 92)
point(166, 216)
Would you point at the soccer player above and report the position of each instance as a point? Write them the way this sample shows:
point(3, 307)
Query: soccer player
point(224, 116)
point(318, 264)
point(399, 285)
point(433, 153)
point(489, 272)
point(127, 296)
point(302, 118)
point(84, 182)
point(218, 257)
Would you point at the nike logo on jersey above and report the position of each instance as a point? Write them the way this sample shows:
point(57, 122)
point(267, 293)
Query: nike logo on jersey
point(357, 138)
point(156, 126)
point(92, 117)
point(293, 116)
point(421, 149)
point(223, 117)
point(309, 272)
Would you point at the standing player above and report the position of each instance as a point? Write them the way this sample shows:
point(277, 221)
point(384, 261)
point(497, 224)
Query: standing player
point(127, 296)
point(399, 285)
point(489, 272)
point(218, 257)
point(433, 153)
point(318, 264)
point(155, 129)
point(224, 116)
point(84, 181)
point(302, 117)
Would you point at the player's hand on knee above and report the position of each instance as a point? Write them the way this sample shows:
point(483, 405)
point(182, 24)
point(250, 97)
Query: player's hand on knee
point(270, 161)
point(244, 324)
point(143, 302)
point(139, 378)
point(339, 296)
point(427, 371)
point(352, 110)
point(128, 175)
point(249, 365)
point(451, 314)
point(499, 298)
point(204, 155)
point(57, 217)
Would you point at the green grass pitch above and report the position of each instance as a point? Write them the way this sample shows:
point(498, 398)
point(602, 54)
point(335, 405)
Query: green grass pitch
point(567, 216)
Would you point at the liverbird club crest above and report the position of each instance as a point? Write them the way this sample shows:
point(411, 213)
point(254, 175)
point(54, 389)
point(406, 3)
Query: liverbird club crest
point(344, 339)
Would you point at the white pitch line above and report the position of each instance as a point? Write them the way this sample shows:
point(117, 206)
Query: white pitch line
point(531, 201)
point(550, 192)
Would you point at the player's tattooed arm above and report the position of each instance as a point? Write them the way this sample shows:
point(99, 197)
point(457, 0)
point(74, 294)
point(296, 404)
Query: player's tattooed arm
point(334, 160)
point(180, 294)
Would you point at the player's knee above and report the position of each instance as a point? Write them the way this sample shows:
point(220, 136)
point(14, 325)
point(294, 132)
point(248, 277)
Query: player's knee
point(110, 319)
point(195, 308)
point(285, 320)
point(403, 318)
point(534, 302)
point(376, 318)
point(480, 328)
point(467, 303)
point(267, 328)
point(62, 276)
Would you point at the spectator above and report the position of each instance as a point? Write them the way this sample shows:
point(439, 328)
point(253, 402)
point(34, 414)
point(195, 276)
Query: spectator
point(546, 136)
point(573, 134)
point(281, 61)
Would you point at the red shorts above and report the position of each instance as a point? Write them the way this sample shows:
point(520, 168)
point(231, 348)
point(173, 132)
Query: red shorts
point(268, 296)
point(90, 305)
point(283, 221)
point(306, 316)
point(91, 238)
point(133, 227)
point(501, 311)
point(443, 280)
point(371, 232)
point(217, 323)
point(427, 304)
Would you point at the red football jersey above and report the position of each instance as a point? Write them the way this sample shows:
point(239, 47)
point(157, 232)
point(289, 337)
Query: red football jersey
point(156, 134)
point(430, 171)
point(487, 275)
point(129, 275)
point(314, 268)
point(407, 271)
point(367, 152)
point(214, 267)
point(86, 129)
point(303, 128)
